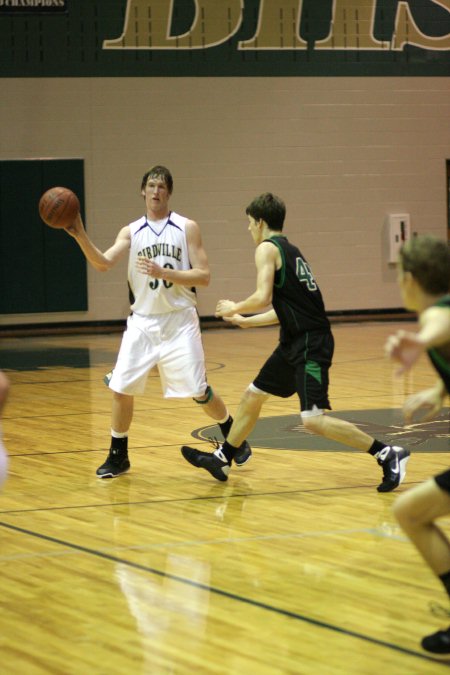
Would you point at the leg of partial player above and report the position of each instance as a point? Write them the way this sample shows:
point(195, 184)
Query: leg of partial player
point(416, 512)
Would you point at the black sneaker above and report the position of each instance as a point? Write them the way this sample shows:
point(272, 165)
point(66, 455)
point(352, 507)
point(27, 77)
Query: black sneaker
point(437, 643)
point(393, 460)
point(214, 462)
point(116, 463)
point(243, 454)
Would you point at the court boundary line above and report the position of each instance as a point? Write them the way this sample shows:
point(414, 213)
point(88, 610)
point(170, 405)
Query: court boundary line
point(227, 594)
point(198, 498)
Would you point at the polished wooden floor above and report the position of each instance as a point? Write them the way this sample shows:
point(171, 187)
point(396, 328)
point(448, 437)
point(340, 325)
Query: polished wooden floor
point(295, 565)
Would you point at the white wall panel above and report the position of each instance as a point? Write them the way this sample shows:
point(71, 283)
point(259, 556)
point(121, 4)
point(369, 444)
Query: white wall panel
point(342, 152)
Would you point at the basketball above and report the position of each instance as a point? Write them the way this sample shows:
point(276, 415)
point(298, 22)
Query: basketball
point(58, 207)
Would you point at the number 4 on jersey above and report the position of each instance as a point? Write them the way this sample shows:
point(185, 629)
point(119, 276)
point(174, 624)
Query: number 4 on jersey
point(304, 275)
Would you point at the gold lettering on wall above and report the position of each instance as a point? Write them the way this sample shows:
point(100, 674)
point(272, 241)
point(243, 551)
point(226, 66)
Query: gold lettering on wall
point(407, 32)
point(147, 25)
point(352, 27)
point(278, 26)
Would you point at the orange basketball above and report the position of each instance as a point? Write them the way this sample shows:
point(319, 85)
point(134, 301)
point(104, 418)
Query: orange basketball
point(58, 207)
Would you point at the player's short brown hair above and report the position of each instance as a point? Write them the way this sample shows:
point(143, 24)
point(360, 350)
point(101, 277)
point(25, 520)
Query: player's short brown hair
point(428, 260)
point(158, 171)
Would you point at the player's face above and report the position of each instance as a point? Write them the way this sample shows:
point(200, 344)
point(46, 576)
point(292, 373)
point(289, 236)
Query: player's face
point(406, 288)
point(156, 195)
point(254, 227)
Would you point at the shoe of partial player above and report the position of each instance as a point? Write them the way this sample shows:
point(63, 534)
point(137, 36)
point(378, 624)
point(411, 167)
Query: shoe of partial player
point(243, 454)
point(116, 463)
point(392, 460)
point(437, 643)
point(214, 462)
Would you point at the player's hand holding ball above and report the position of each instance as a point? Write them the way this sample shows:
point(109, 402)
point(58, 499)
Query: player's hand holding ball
point(76, 227)
point(59, 207)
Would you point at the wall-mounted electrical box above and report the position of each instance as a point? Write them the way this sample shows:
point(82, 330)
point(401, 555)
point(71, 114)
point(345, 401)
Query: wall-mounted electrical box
point(399, 230)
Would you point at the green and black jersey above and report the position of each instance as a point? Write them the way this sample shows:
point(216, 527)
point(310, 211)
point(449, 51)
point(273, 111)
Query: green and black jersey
point(296, 299)
point(440, 357)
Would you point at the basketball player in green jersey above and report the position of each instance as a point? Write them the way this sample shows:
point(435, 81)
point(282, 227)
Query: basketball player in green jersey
point(300, 363)
point(424, 279)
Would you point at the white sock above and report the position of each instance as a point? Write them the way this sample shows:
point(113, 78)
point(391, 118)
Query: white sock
point(119, 434)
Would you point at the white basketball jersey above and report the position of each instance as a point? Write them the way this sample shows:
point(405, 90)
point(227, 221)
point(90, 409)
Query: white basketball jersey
point(164, 242)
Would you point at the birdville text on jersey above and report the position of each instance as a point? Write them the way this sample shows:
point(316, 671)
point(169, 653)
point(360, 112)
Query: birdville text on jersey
point(351, 26)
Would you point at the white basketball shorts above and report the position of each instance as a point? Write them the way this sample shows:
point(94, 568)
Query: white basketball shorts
point(173, 343)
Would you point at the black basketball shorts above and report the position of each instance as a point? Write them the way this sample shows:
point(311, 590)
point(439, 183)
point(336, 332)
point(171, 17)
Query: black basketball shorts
point(301, 367)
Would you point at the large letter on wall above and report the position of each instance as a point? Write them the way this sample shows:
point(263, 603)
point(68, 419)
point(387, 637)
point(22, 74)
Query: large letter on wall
point(352, 27)
point(407, 32)
point(278, 26)
point(147, 25)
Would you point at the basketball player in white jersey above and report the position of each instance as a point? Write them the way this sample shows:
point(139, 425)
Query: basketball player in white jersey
point(166, 262)
point(4, 389)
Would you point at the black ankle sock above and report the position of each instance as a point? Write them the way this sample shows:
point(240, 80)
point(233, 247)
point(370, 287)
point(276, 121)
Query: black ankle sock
point(376, 447)
point(445, 578)
point(120, 444)
point(229, 451)
point(226, 426)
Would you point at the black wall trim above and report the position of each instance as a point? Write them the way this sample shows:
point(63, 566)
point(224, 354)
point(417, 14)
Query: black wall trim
point(114, 326)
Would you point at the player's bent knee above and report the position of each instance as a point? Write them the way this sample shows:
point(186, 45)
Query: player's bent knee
point(401, 510)
point(413, 509)
point(313, 419)
point(253, 397)
point(254, 390)
point(201, 400)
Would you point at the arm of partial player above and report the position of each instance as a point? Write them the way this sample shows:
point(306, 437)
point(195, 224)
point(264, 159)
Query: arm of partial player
point(101, 261)
point(406, 347)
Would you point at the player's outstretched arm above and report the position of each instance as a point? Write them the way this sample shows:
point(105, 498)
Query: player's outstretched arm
point(101, 261)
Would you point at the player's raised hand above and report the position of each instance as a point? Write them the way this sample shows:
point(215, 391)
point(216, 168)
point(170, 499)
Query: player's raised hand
point(405, 348)
point(76, 227)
